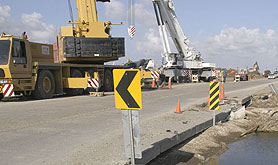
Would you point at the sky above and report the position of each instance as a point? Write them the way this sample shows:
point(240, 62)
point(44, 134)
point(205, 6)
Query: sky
point(232, 34)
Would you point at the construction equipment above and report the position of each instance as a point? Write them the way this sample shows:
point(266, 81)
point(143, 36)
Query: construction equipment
point(146, 67)
point(255, 68)
point(175, 64)
point(82, 49)
point(146, 64)
point(241, 75)
point(254, 71)
point(87, 40)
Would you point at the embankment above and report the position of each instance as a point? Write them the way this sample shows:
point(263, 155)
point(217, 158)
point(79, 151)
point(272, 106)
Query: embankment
point(260, 116)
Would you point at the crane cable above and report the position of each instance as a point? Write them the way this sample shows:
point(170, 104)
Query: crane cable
point(131, 18)
point(133, 12)
point(70, 11)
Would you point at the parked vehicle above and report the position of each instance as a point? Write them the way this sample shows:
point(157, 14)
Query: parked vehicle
point(276, 74)
point(271, 76)
point(242, 74)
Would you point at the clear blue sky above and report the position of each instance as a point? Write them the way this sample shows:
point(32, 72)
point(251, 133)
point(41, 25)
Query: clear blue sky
point(194, 15)
point(211, 16)
point(201, 20)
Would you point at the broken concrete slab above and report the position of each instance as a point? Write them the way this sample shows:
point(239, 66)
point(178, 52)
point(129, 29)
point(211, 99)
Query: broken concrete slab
point(238, 114)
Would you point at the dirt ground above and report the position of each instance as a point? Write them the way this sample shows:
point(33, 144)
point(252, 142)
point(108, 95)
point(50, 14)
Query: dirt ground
point(261, 116)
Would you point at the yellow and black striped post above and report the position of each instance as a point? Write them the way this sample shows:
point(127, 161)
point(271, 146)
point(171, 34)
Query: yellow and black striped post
point(214, 96)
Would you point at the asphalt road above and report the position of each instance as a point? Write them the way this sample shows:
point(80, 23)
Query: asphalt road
point(47, 131)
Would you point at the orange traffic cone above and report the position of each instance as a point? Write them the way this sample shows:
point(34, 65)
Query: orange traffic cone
point(153, 83)
point(255, 78)
point(169, 83)
point(178, 109)
point(208, 101)
point(222, 95)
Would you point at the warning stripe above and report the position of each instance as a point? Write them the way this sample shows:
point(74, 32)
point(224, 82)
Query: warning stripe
point(214, 91)
point(214, 102)
point(154, 74)
point(93, 83)
point(131, 31)
point(215, 73)
point(8, 90)
point(11, 93)
point(214, 95)
point(187, 73)
point(216, 106)
point(90, 83)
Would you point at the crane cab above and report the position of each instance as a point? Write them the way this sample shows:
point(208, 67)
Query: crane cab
point(18, 54)
point(14, 59)
point(17, 57)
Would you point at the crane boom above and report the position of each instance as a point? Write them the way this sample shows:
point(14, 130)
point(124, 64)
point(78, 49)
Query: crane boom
point(87, 10)
point(87, 24)
point(167, 17)
point(186, 60)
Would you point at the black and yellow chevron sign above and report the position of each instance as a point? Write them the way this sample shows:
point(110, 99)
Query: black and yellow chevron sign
point(214, 96)
point(127, 88)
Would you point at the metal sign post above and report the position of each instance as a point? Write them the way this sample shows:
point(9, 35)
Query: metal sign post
point(131, 138)
point(131, 132)
point(128, 98)
point(213, 118)
point(271, 86)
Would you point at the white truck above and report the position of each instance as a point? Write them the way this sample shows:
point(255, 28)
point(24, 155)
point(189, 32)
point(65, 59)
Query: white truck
point(186, 63)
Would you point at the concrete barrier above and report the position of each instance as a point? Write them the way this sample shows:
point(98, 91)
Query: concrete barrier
point(168, 143)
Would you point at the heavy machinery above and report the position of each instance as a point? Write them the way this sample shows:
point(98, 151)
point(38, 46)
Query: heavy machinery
point(87, 40)
point(255, 68)
point(146, 67)
point(186, 60)
point(241, 75)
point(82, 49)
point(254, 71)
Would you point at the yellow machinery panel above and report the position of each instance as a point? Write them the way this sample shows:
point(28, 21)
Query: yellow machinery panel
point(66, 31)
point(42, 52)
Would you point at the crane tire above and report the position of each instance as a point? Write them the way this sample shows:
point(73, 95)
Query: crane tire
point(75, 91)
point(108, 81)
point(45, 86)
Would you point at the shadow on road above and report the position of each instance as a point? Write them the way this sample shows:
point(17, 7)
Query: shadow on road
point(172, 158)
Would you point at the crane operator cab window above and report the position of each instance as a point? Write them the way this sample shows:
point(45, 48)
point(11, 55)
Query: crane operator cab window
point(4, 53)
point(19, 52)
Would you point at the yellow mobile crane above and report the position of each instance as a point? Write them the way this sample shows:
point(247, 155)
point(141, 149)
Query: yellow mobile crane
point(28, 68)
point(88, 41)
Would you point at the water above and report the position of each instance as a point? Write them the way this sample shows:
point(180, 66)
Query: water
point(260, 149)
